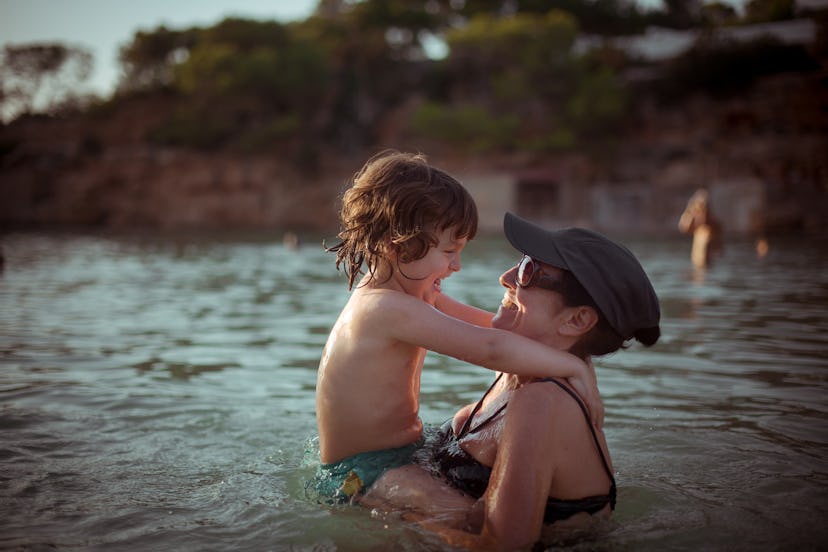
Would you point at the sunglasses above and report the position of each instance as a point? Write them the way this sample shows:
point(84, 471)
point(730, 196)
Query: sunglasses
point(530, 273)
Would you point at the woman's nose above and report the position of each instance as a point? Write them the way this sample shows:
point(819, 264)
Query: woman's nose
point(507, 279)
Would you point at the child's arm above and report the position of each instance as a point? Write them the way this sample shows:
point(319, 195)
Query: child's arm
point(410, 320)
point(466, 313)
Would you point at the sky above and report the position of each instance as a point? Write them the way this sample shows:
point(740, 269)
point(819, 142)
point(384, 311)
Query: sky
point(103, 26)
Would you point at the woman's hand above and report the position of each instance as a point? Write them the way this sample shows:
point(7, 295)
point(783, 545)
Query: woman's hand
point(587, 389)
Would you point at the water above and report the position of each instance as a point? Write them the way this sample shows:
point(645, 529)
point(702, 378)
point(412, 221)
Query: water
point(157, 393)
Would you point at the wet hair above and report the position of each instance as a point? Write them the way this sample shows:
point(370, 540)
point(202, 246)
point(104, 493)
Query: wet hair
point(602, 339)
point(398, 202)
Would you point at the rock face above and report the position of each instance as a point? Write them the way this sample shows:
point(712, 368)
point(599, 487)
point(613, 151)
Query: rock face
point(145, 187)
point(762, 154)
point(770, 142)
point(101, 172)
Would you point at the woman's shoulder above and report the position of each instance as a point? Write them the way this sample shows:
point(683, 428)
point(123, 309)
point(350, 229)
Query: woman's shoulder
point(545, 396)
point(533, 397)
point(544, 387)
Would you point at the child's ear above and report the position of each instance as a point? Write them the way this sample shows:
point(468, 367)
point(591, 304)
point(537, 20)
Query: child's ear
point(580, 321)
point(391, 250)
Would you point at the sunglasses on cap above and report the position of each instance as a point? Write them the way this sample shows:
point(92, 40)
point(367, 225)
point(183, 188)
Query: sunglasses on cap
point(530, 273)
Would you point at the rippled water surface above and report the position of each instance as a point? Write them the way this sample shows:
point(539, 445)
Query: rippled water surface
point(157, 393)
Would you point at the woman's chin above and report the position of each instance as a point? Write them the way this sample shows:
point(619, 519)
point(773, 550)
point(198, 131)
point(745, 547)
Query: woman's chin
point(505, 318)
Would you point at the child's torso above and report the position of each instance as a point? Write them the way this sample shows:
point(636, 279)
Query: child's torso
point(368, 383)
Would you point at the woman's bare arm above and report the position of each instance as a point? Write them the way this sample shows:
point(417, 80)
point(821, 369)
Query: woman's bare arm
point(462, 311)
point(523, 471)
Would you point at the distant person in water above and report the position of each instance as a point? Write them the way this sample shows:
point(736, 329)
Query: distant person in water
point(405, 223)
point(291, 241)
point(699, 220)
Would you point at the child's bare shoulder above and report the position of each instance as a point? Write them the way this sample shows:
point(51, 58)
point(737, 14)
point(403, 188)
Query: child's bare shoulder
point(388, 305)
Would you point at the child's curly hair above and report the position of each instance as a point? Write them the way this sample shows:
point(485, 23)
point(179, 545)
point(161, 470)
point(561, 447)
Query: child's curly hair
point(399, 202)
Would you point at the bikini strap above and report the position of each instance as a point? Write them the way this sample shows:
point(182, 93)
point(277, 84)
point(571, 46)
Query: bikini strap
point(465, 428)
point(591, 429)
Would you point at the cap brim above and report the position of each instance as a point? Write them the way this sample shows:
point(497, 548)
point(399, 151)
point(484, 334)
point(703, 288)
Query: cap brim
point(530, 239)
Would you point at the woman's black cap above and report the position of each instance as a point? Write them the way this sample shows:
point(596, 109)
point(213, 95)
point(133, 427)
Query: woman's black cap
point(609, 272)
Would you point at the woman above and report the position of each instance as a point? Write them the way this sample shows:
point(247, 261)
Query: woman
point(526, 455)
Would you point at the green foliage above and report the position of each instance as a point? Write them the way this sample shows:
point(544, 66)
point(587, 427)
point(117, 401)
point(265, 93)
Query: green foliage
point(598, 102)
point(194, 127)
point(510, 81)
point(247, 34)
point(41, 77)
point(521, 68)
point(375, 58)
point(682, 14)
point(466, 127)
point(512, 62)
point(277, 130)
point(603, 17)
point(148, 60)
point(552, 139)
point(717, 14)
point(526, 40)
point(242, 84)
point(208, 69)
point(384, 14)
point(722, 68)
point(399, 24)
point(762, 11)
point(255, 59)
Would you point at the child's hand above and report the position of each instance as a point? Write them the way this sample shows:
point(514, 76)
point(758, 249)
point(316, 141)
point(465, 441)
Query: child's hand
point(587, 389)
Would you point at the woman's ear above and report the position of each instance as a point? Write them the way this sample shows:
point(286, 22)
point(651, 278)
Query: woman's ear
point(580, 321)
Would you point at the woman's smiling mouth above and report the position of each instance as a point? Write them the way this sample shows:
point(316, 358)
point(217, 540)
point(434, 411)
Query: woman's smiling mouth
point(507, 302)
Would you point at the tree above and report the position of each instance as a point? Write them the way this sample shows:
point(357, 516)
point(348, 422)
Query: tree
point(762, 11)
point(241, 83)
point(40, 77)
point(148, 61)
point(722, 68)
point(376, 54)
point(683, 13)
point(519, 75)
point(604, 17)
point(717, 14)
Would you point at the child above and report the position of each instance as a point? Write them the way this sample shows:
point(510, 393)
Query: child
point(407, 223)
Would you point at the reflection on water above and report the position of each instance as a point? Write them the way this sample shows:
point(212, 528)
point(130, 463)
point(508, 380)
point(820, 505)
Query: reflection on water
point(156, 392)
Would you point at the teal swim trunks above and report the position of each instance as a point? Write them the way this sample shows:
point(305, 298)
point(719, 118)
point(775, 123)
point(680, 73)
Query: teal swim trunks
point(342, 480)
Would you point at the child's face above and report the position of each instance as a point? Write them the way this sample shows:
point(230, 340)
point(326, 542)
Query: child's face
point(422, 278)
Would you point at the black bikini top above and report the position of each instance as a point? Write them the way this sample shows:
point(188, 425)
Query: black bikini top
point(470, 476)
